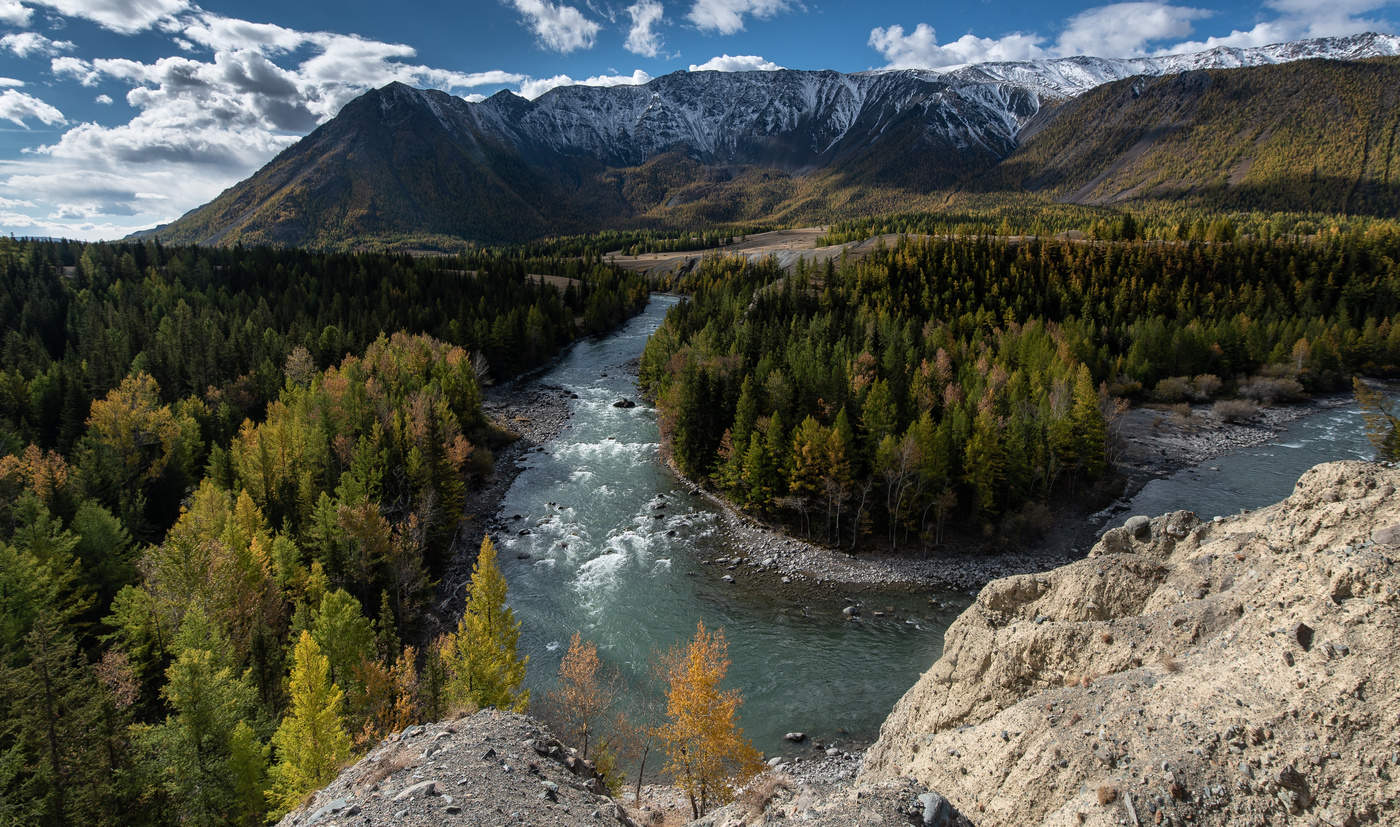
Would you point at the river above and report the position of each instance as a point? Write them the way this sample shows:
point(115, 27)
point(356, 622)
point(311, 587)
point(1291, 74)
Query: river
point(614, 546)
point(1259, 475)
point(604, 540)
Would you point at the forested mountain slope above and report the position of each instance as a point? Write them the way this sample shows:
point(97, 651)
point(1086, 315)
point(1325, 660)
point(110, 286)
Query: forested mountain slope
point(1319, 135)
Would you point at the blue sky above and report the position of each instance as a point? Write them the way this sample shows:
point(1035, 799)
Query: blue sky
point(116, 115)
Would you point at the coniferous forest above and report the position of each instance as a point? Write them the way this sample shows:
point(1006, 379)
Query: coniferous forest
point(971, 381)
point(228, 479)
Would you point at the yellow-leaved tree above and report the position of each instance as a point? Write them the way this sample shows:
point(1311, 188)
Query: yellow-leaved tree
point(707, 754)
point(311, 742)
point(481, 655)
point(583, 695)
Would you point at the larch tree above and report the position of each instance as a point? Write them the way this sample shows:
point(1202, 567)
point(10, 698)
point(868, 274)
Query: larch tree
point(311, 744)
point(583, 694)
point(707, 755)
point(485, 668)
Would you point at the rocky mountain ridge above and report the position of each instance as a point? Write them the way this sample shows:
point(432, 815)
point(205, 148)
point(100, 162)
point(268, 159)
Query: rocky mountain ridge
point(685, 149)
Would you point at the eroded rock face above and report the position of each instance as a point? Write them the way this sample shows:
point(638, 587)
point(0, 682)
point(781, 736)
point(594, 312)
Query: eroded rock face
point(1243, 671)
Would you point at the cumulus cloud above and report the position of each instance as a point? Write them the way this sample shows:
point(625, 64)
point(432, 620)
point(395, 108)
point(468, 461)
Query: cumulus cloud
point(727, 16)
point(535, 87)
point(1130, 29)
point(920, 48)
point(1297, 19)
point(203, 119)
point(19, 108)
point(25, 44)
point(735, 63)
point(11, 82)
point(123, 16)
point(558, 28)
point(1125, 29)
point(642, 38)
point(14, 13)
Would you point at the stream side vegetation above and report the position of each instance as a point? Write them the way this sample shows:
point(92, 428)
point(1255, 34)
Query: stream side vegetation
point(971, 382)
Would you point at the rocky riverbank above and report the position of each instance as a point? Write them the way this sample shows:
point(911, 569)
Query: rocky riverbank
point(533, 413)
point(1157, 441)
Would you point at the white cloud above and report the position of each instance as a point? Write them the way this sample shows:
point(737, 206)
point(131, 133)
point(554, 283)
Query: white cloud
point(105, 100)
point(203, 120)
point(123, 16)
point(735, 63)
point(24, 44)
point(920, 48)
point(558, 28)
point(11, 82)
point(1125, 29)
point(642, 38)
point(221, 33)
point(535, 87)
point(727, 16)
point(15, 203)
point(1297, 19)
point(18, 107)
point(13, 13)
point(76, 68)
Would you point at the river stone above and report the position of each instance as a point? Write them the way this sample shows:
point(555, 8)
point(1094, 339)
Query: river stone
point(939, 813)
point(624, 403)
point(422, 789)
point(796, 737)
point(1140, 527)
point(1388, 536)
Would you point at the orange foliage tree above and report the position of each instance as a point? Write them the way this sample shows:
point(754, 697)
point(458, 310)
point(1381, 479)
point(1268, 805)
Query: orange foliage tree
point(707, 754)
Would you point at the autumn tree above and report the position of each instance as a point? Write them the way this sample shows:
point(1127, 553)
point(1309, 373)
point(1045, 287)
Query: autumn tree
point(482, 657)
point(707, 755)
point(583, 695)
point(311, 744)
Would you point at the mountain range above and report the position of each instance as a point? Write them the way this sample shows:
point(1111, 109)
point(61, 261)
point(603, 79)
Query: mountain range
point(1308, 125)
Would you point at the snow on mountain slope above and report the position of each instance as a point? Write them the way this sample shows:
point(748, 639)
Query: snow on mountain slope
point(1071, 76)
point(809, 117)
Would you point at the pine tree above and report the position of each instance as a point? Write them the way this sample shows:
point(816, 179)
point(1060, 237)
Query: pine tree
point(311, 744)
point(485, 668)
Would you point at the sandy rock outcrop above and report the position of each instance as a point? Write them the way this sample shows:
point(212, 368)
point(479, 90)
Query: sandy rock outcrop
point(489, 768)
point(1244, 671)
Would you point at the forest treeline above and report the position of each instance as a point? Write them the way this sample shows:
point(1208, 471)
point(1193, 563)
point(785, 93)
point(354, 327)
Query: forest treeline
point(1147, 220)
point(972, 380)
point(228, 479)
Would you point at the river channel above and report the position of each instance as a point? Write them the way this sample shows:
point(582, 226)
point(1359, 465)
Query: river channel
point(604, 540)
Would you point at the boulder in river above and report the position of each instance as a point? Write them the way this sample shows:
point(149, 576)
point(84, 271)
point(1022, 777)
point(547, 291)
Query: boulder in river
point(624, 403)
point(796, 737)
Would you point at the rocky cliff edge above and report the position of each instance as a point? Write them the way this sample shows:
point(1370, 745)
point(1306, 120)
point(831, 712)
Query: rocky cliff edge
point(1241, 671)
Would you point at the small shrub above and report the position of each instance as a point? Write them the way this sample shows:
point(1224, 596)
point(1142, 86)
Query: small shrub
point(1269, 389)
point(1172, 389)
point(1108, 794)
point(1205, 387)
point(1181, 415)
point(1169, 663)
point(1234, 410)
point(756, 798)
